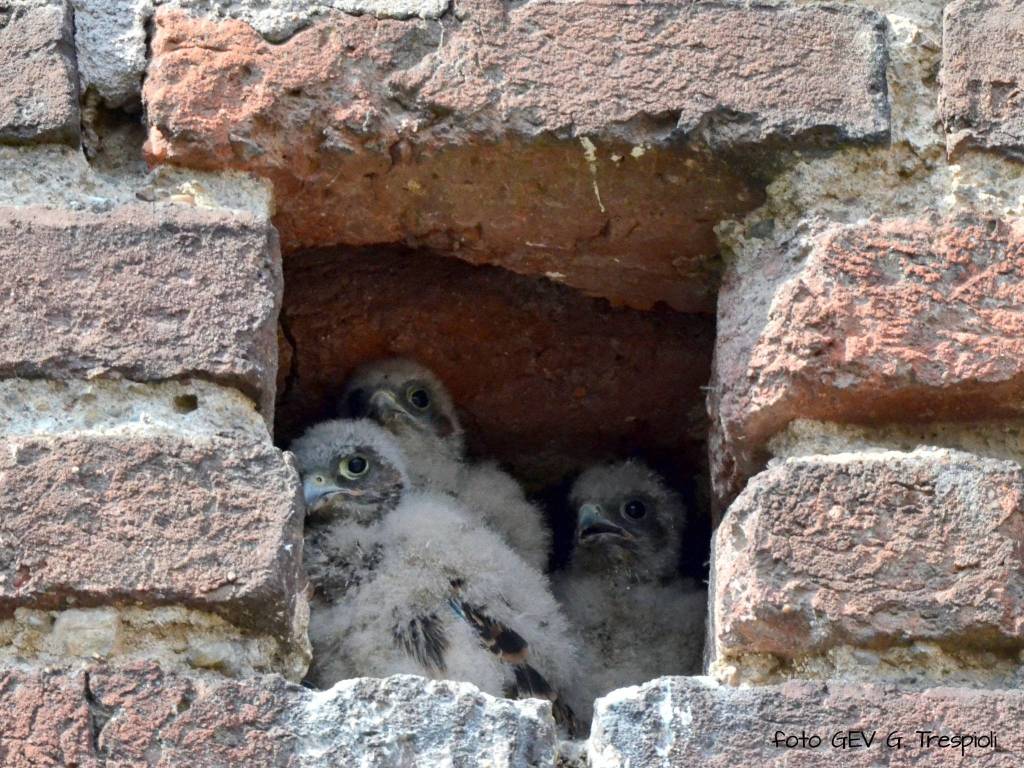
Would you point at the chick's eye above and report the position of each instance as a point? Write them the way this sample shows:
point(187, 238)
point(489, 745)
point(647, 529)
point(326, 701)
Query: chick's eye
point(419, 397)
point(634, 509)
point(353, 467)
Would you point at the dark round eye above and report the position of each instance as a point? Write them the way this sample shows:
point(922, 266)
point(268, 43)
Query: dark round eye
point(353, 467)
point(634, 509)
point(419, 397)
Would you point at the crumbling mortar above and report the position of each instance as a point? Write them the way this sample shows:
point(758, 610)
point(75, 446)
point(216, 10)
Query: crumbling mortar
point(278, 22)
point(179, 639)
point(913, 665)
point(998, 439)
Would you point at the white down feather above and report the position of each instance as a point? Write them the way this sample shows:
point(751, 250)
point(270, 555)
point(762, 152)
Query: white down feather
point(428, 542)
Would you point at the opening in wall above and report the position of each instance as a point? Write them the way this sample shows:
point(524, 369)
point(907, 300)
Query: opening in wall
point(546, 382)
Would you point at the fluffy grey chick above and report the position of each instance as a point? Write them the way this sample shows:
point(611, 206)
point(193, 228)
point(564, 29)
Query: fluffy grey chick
point(342, 532)
point(409, 582)
point(635, 617)
point(410, 402)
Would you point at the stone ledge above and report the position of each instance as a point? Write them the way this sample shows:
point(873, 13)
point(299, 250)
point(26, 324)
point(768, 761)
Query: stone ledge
point(877, 551)
point(39, 97)
point(691, 721)
point(141, 716)
point(569, 114)
point(142, 292)
point(914, 319)
point(981, 101)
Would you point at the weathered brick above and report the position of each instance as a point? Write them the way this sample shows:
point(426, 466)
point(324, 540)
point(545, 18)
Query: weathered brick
point(39, 97)
point(902, 320)
point(142, 292)
point(90, 520)
point(536, 137)
point(164, 719)
point(690, 721)
point(140, 716)
point(981, 102)
point(872, 550)
point(44, 721)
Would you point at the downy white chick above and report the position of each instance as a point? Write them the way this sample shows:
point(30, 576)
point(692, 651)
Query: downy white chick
point(634, 616)
point(408, 582)
point(410, 402)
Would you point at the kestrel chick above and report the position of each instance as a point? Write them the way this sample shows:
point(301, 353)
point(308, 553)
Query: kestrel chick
point(635, 617)
point(411, 403)
point(409, 582)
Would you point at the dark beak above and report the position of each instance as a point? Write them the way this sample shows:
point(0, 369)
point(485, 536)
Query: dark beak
point(593, 524)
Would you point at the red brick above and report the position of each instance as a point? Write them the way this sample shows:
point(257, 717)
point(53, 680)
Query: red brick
point(100, 520)
point(981, 102)
point(39, 97)
point(166, 720)
point(137, 715)
point(872, 551)
point(465, 136)
point(44, 721)
point(142, 292)
point(904, 320)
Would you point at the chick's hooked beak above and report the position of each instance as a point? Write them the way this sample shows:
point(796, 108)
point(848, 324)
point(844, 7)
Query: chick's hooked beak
point(384, 407)
point(593, 524)
point(318, 494)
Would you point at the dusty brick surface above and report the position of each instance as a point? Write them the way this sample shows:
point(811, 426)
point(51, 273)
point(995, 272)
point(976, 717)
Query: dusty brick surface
point(692, 722)
point(139, 716)
point(872, 550)
point(533, 137)
point(547, 380)
point(161, 719)
point(904, 320)
point(102, 520)
point(44, 721)
point(141, 292)
point(982, 101)
point(39, 97)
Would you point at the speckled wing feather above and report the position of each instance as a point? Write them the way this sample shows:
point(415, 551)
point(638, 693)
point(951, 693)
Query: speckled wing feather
point(509, 646)
point(423, 638)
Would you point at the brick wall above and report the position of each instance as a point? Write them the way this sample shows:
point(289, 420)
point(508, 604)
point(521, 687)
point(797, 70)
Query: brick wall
point(835, 187)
